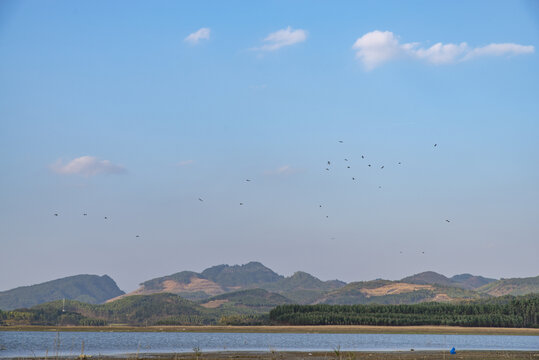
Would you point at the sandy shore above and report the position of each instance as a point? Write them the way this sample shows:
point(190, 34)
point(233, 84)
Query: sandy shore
point(288, 355)
point(449, 330)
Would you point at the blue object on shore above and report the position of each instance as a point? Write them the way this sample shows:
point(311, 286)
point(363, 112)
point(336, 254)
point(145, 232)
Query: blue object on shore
point(453, 351)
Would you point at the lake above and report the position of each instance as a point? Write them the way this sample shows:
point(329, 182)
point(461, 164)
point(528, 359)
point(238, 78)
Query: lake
point(39, 343)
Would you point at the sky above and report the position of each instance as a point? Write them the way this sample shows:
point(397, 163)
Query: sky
point(154, 114)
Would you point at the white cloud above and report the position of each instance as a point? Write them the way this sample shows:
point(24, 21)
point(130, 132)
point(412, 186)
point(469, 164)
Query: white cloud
point(440, 53)
point(376, 47)
point(283, 37)
point(87, 166)
point(500, 50)
point(200, 34)
point(185, 162)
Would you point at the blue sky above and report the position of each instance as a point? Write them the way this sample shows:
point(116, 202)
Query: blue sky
point(135, 110)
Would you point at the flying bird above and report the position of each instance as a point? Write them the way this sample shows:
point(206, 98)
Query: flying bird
point(241, 203)
point(362, 156)
point(353, 178)
point(399, 162)
point(341, 141)
point(381, 167)
point(327, 169)
point(319, 205)
point(345, 159)
point(247, 179)
point(199, 199)
point(84, 214)
point(369, 165)
point(447, 220)
point(55, 214)
point(106, 218)
point(348, 167)
point(329, 162)
point(435, 145)
point(137, 236)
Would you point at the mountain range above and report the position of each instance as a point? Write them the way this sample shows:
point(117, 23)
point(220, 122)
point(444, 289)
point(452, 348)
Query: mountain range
point(254, 288)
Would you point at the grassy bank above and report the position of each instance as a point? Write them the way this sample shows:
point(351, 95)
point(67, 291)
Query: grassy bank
point(329, 329)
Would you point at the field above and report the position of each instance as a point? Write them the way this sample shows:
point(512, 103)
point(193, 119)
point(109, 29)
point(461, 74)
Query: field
point(449, 330)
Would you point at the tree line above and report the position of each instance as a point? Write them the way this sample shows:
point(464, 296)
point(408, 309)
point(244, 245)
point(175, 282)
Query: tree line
point(519, 311)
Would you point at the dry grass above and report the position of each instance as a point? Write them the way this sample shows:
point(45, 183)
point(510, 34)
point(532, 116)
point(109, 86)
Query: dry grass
point(214, 304)
point(336, 329)
point(396, 288)
point(344, 355)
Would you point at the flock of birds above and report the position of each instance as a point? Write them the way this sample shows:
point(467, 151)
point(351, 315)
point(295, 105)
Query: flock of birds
point(328, 167)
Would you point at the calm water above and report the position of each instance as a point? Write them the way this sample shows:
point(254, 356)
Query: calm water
point(30, 343)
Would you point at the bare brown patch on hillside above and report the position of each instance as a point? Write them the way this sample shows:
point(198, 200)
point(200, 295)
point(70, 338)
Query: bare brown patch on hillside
point(214, 303)
point(395, 288)
point(442, 298)
point(170, 286)
point(502, 290)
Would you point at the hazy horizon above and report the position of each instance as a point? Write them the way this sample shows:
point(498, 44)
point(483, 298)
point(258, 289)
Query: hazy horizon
point(203, 131)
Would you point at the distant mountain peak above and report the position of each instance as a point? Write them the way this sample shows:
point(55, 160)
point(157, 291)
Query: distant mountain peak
point(93, 289)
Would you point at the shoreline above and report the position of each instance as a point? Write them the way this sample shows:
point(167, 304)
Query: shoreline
point(317, 355)
point(328, 329)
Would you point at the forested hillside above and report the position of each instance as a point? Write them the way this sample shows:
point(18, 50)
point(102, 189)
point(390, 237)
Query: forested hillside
point(515, 312)
point(90, 289)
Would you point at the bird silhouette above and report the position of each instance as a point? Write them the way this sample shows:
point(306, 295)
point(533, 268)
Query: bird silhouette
point(341, 141)
point(381, 167)
point(327, 169)
point(345, 159)
point(55, 214)
point(353, 178)
point(84, 214)
point(348, 167)
point(247, 179)
point(435, 145)
point(369, 165)
point(329, 162)
point(447, 220)
point(106, 218)
point(241, 203)
point(199, 199)
point(362, 156)
point(137, 236)
point(319, 205)
point(399, 162)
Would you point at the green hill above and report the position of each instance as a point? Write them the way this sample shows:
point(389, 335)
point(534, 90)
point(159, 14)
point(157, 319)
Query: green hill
point(465, 281)
point(428, 277)
point(255, 300)
point(303, 288)
point(90, 289)
point(515, 286)
point(469, 281)
point(395, 293)
point(252, 273)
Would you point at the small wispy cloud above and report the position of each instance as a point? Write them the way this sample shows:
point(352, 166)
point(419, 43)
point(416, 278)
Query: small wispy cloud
point(185, 162)
point(86, 166)
point(283, 170)
point(282, 38)
point(200, 34)
point(377, 47)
